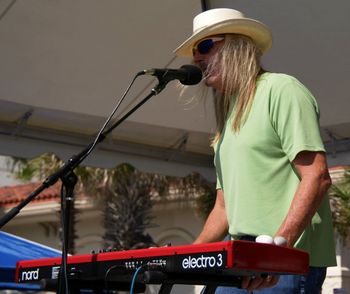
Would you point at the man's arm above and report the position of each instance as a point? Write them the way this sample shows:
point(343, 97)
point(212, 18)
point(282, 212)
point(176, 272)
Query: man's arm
point(216, 226)
point(315, 181)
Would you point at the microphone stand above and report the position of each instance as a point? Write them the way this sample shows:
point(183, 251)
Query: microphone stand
point(69, 179)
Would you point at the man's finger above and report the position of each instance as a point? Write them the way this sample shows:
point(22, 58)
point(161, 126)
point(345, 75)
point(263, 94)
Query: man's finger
point(246, 281)
point(269, 281)
point(254, 283)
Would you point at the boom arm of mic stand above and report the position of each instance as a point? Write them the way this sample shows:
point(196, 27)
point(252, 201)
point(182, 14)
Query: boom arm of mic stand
point(75, 160)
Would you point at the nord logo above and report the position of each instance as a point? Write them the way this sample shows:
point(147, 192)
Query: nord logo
point(30, 275)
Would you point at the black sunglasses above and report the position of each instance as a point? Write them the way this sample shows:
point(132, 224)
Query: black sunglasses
point(204, 46)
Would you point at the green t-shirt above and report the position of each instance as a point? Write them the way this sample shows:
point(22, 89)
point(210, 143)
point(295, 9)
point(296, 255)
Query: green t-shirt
point(254, 167)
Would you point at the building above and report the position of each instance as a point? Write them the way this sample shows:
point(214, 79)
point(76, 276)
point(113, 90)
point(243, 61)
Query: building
point(175, 218)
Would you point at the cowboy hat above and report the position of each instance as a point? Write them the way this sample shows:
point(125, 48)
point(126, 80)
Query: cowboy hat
point(221, 21)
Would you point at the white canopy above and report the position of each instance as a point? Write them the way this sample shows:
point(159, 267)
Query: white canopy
point(64, 65)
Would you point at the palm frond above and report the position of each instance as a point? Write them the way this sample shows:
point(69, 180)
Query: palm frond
point(339, 195)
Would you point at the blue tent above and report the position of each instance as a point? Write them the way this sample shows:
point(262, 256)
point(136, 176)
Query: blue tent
point(13, 249)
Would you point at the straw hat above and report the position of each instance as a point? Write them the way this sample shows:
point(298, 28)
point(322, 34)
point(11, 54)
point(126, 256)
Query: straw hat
point(225, 21)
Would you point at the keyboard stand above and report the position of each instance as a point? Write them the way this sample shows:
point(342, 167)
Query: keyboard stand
point(168, 280)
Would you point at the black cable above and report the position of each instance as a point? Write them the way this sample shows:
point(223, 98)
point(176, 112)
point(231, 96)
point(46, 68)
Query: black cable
point(117, 266)
point(7, 9)
point(111, 115)
point(64, 272)
point(204, 5)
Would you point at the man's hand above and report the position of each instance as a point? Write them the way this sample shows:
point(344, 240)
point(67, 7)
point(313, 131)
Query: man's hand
point(251, 283)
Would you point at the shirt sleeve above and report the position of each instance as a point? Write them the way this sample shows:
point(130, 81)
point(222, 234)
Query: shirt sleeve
point(294, 115)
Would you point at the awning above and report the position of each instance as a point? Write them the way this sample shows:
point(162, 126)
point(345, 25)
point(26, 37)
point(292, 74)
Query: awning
point(64, 64)
point(13, 249)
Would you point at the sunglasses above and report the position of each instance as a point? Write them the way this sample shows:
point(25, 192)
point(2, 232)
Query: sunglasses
point(204, 46)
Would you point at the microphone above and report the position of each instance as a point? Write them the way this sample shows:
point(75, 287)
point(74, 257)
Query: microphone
point(186, 74)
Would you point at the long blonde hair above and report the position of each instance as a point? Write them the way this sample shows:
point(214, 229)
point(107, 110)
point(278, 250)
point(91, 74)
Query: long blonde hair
point(239, 63)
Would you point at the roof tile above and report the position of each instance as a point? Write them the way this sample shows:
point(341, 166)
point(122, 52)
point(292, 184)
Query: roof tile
point(13, 195)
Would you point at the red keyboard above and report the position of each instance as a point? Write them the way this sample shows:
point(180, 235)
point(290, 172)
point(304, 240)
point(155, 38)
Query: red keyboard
point(221, 263)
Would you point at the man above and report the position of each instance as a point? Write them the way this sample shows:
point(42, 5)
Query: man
point(272, 174)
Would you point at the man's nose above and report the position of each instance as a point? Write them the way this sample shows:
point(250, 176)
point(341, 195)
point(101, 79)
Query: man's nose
point(197, 56)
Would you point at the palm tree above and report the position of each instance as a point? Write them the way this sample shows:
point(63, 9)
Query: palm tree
point(128, 205)
point(340, 202)
point(126, 194)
